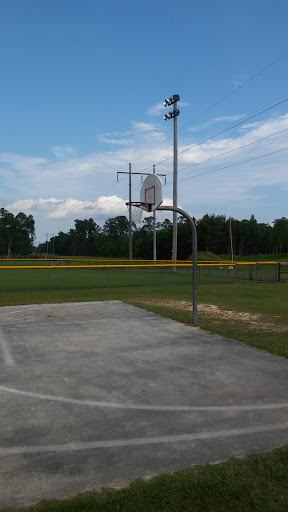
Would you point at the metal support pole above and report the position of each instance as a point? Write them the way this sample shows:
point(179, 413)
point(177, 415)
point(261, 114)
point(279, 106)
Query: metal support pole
point(49, 278)
point(130, 215)
point(107, 277)
point(194, 254)
point(49, 234)
point(175, 195)
point(154, 230)
point(235, 273)
point(278, 272)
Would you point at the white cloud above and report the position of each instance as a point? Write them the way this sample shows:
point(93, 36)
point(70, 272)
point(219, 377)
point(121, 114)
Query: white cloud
point(227, 118)
point(235, 117)
point(56, 193)
point(136, 134)
point(155, 110)
point(22, 163)
point(144, 127)
point(120, 142)
point(60, 208)
point(167, 202)
point(63, 152)
point(238, 83)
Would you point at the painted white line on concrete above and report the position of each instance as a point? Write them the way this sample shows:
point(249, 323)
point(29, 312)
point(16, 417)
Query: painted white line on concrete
point(48, 306)
point(4, 348)
point(118, 443)
point(144, 407)
point(28, 309)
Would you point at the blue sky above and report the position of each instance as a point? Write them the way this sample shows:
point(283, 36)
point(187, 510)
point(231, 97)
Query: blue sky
point(81, 88)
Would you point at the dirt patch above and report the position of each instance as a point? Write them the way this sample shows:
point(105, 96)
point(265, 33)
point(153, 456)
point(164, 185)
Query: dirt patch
point(255, 321)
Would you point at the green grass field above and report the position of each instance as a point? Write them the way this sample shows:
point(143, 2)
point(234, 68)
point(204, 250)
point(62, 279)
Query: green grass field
point(103, 277)
point(255, 314)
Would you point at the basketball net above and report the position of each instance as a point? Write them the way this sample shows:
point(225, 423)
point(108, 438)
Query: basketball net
point(136, 213)
point(137, 210)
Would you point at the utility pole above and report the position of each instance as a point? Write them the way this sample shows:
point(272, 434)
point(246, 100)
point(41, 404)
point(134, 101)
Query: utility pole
point(49, 234)
point(154, 230)
point(174, 114)
point(130, 207)
point(130, 215)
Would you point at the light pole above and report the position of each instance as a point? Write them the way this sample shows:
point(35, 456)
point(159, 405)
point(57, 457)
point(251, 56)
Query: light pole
point(173, 115)
point(154, 229)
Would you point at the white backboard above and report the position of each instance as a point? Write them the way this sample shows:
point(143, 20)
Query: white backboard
point(152, 192)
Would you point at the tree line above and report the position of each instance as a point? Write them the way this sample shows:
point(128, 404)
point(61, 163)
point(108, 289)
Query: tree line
point(248, 237)
point(17, 234)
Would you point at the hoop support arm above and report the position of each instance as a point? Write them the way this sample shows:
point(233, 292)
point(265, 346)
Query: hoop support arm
point(194, 254)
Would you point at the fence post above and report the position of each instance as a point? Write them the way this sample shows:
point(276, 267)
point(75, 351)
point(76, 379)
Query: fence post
point(278, 273)
point(255, 272)
point(235, 273)
point(200, 275)
point(107, 277)
point(161, 276)
point(49, 278)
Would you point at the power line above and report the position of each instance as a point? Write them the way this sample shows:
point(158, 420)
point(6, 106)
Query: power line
point(232, 165)
point(222, 131)
point(222, 99)
point(233, 126)
point(236, 89)
point(111, 188)
point(231, 150)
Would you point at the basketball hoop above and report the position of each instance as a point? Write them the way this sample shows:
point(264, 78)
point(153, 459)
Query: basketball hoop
point(137, 210)
point(151, 196)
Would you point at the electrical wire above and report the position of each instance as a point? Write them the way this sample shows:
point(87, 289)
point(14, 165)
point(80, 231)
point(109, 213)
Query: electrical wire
point(221, 100)
point(233, 126)
point(105, 195)
point(220, 133)
point(232, 165)
point(230, 151)
point(236, 89)
point(217, 156)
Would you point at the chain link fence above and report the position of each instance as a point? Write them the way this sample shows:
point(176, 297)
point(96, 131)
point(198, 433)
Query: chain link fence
point(63, 277)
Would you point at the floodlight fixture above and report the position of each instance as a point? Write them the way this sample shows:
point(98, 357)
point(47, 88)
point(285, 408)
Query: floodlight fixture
point(170, 101)
point(172, 114)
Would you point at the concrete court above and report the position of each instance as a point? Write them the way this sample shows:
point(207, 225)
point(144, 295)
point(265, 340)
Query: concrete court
point(99, 393)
